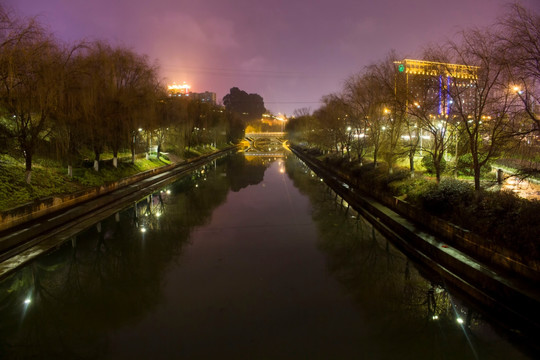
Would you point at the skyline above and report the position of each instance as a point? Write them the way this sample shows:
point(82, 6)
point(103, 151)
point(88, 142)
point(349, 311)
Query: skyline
point(291, 54)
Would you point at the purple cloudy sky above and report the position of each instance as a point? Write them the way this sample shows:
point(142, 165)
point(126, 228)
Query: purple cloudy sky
point(291, 52)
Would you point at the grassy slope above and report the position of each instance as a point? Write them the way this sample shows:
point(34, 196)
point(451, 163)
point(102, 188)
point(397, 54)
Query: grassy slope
point(50, 178)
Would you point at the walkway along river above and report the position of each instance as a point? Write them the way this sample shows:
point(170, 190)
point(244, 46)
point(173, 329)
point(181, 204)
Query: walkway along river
point(248, 257)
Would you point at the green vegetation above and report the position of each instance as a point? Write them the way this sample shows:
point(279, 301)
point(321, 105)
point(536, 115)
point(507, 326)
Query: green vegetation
point(50, 178)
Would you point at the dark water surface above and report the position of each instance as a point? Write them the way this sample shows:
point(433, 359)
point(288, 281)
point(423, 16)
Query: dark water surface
point(248, 258)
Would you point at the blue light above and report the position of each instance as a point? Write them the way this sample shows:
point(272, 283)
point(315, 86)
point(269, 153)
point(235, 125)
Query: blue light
point(440, 94)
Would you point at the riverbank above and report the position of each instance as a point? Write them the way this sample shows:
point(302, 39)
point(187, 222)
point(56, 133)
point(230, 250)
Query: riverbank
point(32, 224)
point(512, 292)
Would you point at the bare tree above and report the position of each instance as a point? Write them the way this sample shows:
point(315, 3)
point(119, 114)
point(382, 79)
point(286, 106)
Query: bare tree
point(520, 37)
point(332, 124)
point(392, 109)
point(365, 96)
point(482, 106)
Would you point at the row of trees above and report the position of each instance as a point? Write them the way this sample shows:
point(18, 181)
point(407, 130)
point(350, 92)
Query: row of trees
point(493, 112)
point(74, 100)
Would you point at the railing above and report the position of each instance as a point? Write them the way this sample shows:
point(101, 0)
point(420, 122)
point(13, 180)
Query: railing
point(266, 134)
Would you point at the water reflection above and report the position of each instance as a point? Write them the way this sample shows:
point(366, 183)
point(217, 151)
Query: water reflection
point(64, 304)
point(407, 311)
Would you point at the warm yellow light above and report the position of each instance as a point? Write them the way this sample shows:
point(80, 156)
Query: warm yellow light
point(184, 88)
point(516, 88)
point(386, 111)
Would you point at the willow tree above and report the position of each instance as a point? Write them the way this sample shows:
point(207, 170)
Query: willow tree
point(31, 65)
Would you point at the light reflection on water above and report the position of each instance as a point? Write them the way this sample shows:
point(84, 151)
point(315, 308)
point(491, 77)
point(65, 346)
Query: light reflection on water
point(249, 257)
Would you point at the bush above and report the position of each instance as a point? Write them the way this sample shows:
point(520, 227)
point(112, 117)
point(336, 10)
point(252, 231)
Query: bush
point(464, 166)
point(427, 163)
point(449, 196)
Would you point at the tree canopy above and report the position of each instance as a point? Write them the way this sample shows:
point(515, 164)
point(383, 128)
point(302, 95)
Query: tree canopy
point(246, 106)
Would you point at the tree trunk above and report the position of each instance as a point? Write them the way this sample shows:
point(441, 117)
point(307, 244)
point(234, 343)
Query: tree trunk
point(411, 163)
point(158, 150)
point(70, 171)
point(115, 158)
point(437, 166)
point(28, 174)
point(477, 178)
point(476, 169)
point(96, 160)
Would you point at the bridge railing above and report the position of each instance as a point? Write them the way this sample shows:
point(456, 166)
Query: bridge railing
point(265, 134)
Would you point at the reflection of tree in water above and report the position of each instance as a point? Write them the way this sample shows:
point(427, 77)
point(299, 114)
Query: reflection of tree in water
point(242, 173)
point(107, 277)
point(404, 313)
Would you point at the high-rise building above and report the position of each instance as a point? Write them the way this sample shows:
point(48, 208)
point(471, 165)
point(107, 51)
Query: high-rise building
point(205, 97)
point(436, 85)
point(179, 90)
point(184, 90)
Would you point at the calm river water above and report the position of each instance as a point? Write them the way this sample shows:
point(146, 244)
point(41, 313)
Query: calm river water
point(247, 258)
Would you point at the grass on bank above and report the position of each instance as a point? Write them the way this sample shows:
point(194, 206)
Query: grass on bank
point(49, 178)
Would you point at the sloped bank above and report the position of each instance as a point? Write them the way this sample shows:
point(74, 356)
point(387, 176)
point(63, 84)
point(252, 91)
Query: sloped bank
point(446, 249)
point(47, 206)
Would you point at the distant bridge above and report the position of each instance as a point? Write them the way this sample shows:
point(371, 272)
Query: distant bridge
point(265, 135)
point(265, 144)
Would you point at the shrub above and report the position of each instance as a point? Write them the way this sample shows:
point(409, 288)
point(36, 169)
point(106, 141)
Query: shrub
point(427, 163)
point(464, 166)
point(449, 196)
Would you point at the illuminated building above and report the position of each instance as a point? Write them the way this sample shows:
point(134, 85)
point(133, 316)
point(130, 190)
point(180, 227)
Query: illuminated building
point(179, 90)
point(434, 83)
point(184, 90)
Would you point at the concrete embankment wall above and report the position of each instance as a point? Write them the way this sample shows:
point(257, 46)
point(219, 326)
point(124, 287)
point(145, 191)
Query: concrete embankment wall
point(470, 243)
point(49, 205)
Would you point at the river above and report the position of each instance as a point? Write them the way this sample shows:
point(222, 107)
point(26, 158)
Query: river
point(249, 257)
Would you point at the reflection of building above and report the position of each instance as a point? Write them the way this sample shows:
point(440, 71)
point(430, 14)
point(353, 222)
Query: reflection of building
point(184, 90)
point(435, 84)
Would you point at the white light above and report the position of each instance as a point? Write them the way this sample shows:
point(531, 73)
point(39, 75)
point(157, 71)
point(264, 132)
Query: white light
point(27, 301)
point(459, 320)
point(435, 317)
point(143, 230)
point(168, 191)
point(158, 214)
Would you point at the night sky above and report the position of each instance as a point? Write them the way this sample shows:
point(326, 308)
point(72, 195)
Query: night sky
point(291, 52)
